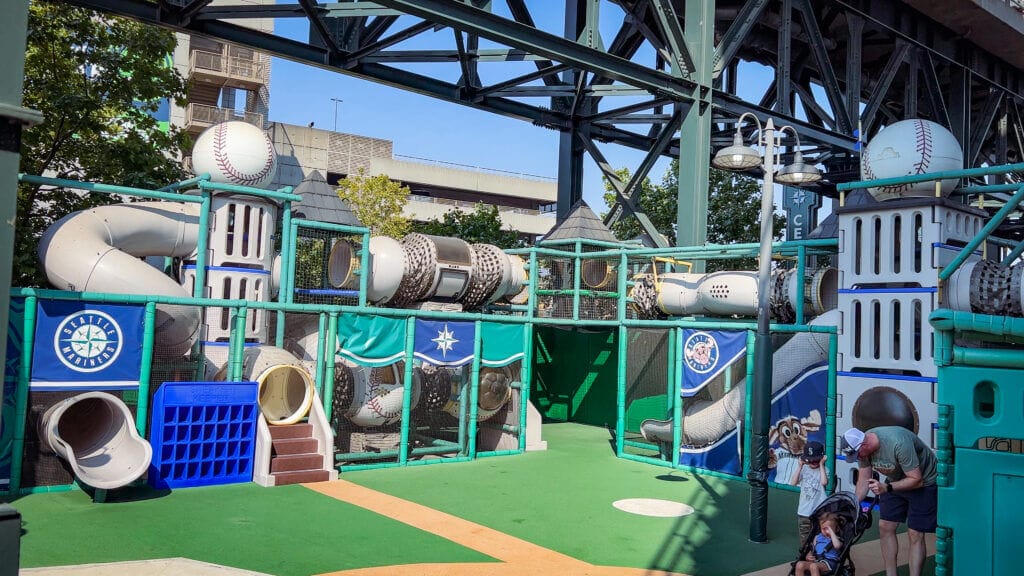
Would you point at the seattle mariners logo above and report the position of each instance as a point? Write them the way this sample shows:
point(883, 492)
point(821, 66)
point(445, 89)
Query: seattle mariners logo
point(88, 341)
point(701, 352)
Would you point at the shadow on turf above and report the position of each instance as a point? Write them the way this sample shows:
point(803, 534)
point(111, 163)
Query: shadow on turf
point(131, 493)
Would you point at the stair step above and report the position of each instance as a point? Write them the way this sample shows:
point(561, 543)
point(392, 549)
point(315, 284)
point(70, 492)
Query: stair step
point(296, 446)
point(301, 477)
point(291, 431)
point(296, 462)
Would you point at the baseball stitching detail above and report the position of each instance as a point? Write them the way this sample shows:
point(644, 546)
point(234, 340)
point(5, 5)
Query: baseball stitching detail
point(224, 163)
point(923, 145)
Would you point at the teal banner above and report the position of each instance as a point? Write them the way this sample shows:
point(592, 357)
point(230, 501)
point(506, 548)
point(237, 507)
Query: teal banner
point(371, 340)
point(502, 344)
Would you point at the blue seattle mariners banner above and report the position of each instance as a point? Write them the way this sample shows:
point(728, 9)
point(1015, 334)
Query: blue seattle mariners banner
point(86, 346)
point(722, 456)
point(797, 418)
point(15, 340)
point(444, 343)
point(707, 353)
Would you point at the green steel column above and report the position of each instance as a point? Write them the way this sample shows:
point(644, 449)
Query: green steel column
point(531, 299)
point(293, 242)
point(676, 391)
point(464, 417)
point(12, 118)
point(203, 247)
point(329, 358)
point(410, 340)
point(577, 267)
point(622, 300)
point(830, 410)
point(749, 385)
point(286, 259)
point(526, 375)
point(695, 134)
point(364, 268)
point(146, 369)
point(237, 346)
point(620, 391)
point(474, 391)
point(21, 392)
point(319, 381)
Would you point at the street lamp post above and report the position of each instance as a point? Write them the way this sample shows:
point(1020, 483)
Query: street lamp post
point(742, 157)
point(336, 102)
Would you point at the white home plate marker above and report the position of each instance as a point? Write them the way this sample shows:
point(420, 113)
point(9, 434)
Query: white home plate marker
point(653, 507)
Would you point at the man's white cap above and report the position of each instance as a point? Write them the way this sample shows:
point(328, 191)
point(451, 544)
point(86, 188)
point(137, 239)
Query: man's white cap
point(852, 439)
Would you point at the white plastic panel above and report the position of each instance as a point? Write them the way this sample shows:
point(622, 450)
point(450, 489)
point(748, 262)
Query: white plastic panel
point(892, 245)
point(887, 328)
point(241, 232)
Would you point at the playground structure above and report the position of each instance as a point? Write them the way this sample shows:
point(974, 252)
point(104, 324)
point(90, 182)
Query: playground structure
point(366, 380)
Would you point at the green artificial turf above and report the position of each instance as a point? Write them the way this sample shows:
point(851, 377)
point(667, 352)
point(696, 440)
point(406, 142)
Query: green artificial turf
point(562, 499)
point(287, 530)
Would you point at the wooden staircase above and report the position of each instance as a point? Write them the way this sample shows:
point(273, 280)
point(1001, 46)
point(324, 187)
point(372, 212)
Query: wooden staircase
point(295, 455)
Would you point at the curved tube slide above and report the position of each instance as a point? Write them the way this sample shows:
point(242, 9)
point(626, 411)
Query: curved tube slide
point(705, 422)
point(99, 250)
point(95, 432)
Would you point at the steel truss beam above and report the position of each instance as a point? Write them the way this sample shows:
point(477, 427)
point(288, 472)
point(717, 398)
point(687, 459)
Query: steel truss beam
point(855, 52)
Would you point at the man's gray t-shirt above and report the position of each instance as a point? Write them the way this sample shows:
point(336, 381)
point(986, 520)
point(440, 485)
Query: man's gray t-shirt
point(901, 450)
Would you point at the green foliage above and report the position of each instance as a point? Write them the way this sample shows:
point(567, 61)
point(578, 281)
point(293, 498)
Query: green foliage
point(734, 211)
point(481, 226)
point(377, 201)
point(96, 79)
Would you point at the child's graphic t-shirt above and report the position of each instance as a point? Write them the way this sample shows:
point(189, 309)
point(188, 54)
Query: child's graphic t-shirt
point(812, 492)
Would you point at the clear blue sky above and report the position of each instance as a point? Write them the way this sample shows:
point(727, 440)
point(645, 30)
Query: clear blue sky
point(426, 127)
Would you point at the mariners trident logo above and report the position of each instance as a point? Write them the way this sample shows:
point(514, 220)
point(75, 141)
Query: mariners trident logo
point(701, 352)
point(88, 341)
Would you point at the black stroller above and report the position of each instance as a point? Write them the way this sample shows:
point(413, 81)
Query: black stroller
point(853, 524)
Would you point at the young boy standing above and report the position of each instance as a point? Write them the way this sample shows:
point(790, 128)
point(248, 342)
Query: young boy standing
point(812, 478)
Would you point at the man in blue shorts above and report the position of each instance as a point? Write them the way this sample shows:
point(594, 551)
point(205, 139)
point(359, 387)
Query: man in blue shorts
point(908, 494)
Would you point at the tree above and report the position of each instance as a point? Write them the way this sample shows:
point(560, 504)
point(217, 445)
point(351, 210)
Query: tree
point(377, 201)
point(734, 212)
point(97, 80)
point(481, 226)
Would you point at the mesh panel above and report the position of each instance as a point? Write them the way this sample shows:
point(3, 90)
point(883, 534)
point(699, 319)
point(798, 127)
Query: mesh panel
point(600, 278)
point(366, 412)
point(556, 274)
point(496, 431)
point(646, 381)
point(326, 271)
point(443, 410)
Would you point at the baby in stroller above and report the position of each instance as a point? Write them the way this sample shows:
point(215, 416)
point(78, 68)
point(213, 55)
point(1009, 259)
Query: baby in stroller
point(824, 557)
point(836, 525)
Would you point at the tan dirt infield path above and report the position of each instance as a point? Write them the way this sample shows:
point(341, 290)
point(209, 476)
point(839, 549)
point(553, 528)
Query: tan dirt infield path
point(517, 556)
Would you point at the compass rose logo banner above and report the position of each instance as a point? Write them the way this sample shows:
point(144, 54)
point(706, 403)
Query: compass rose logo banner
point(85, 346)
point(444, 343)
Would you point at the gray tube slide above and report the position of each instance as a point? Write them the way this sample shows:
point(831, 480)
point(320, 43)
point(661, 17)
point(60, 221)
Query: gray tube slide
point(99, 250)
point(705, 422)
point(95, 432)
